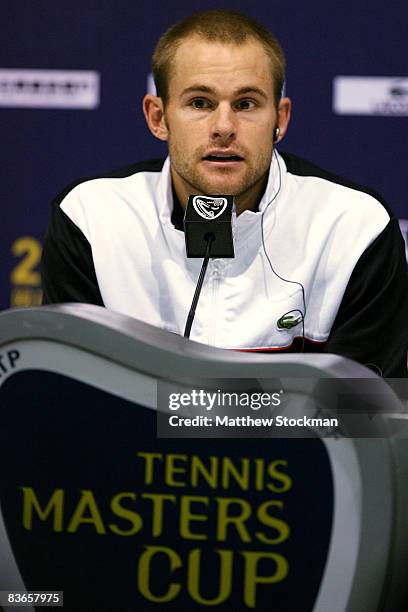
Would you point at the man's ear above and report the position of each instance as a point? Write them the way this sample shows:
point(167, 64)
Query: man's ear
point(154, 113)
point(284, 111)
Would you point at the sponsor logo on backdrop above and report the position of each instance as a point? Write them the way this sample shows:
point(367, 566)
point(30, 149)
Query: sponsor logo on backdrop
point(25, 276)
point(404, 229)
point(384, 96)
point(78, 89)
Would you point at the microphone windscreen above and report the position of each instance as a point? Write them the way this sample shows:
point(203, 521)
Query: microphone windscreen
point(206, 215)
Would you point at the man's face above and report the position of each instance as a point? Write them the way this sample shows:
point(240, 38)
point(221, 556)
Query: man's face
point(220, 117)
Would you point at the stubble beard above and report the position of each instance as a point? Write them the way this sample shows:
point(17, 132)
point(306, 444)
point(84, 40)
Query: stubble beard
point(224, 181)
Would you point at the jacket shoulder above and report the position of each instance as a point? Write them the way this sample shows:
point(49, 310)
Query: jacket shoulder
point(302, 167)
point(152, 165)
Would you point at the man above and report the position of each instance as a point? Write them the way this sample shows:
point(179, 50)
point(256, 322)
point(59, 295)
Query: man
point(319, 262)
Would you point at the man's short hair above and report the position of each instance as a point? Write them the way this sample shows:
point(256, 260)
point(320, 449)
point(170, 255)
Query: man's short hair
point(224, 26)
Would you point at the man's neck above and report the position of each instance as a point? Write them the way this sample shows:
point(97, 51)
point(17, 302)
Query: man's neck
point(248, 200)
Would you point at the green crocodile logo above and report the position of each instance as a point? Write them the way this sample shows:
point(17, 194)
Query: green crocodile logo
point(287, 321)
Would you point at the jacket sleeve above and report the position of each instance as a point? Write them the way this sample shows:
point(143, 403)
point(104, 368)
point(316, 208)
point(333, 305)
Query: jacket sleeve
point(371, 325)
point(67, 269)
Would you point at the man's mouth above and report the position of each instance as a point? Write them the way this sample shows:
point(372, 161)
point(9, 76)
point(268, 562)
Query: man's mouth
point(221, 158)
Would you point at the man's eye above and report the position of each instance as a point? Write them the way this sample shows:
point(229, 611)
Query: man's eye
point(200, 103)
point(245, 104)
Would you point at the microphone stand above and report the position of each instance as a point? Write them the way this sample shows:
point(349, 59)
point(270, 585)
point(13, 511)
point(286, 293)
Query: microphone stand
point(209, 239)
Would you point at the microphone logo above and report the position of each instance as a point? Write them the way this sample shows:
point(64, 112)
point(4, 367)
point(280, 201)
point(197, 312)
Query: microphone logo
point(209, 208)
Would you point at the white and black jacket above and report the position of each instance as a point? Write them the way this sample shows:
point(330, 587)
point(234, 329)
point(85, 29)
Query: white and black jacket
point(331, 267)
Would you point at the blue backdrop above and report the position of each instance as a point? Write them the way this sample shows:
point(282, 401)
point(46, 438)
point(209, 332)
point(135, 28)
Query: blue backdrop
point(43, 148)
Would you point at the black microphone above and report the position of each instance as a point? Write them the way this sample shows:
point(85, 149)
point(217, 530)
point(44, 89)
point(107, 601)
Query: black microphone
point(205, 216)
point(208, 233)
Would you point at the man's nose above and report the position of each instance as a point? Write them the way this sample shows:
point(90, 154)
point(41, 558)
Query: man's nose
point(223, 122)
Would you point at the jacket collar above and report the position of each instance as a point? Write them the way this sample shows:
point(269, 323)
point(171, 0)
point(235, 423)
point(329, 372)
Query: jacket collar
point(276, 179)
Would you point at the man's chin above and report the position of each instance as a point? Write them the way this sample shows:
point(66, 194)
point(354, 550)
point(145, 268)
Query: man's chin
point(222, 185)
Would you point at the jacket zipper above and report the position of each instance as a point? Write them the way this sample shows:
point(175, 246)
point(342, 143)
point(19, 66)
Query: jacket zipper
point(215, 282)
